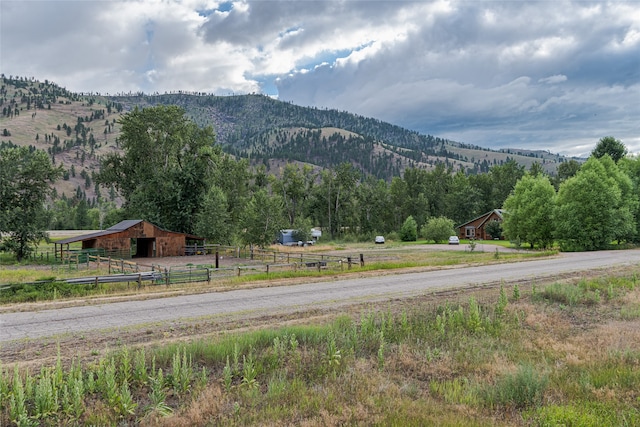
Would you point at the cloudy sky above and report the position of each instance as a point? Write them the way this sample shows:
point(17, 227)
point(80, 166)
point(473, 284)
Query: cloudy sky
point(526, 74)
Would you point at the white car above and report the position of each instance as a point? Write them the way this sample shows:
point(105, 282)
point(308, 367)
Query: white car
point(453, 240)
point(379, 239)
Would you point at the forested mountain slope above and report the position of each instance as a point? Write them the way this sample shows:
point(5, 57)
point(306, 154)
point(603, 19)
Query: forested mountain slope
point(76, 130)
point(266, 129)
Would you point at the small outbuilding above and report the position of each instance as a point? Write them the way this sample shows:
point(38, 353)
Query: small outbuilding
point(475, 229)
point(134, 239)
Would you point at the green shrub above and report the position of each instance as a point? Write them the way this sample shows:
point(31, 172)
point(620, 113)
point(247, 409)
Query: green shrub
point(570, 294)
point(523, 389)
point(409, 230)
point(438, 229)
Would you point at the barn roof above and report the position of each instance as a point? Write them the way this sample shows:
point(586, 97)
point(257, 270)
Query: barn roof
point(119, 227)
point(124, 225)
point(87, 236)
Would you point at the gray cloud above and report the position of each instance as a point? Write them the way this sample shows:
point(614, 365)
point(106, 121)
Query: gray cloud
point(547, 75)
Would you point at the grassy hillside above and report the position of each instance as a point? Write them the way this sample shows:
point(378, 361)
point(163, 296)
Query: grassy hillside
point(74, 129)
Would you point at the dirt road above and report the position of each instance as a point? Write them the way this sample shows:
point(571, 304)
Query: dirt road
point(268, 300)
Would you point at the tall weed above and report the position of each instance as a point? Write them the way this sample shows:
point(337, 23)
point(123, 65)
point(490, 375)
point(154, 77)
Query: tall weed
point(523, 389)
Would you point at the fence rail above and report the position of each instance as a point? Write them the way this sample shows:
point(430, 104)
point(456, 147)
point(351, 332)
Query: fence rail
point(168, 277)
point(267, 261)
point(259, 254)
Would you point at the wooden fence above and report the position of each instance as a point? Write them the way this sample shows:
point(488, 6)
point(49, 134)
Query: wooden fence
point(266, 262)
point(265, 255)
point(168, 277)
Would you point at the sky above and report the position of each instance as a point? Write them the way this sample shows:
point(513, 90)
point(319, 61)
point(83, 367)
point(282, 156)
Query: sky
point(549, 75)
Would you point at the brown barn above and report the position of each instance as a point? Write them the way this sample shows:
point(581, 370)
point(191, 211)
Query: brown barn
point(475, 229)
point(136, 238)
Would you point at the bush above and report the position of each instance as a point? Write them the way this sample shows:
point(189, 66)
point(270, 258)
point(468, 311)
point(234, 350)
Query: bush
point(569, 294)
point(409, 230)
point(494, 229)
point(438, 229)
point(393, 237)
point(523, 389)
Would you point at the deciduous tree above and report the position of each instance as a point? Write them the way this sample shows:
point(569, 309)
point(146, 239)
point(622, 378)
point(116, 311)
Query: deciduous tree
point(262, 218)
point(611, 146)
point(438, 229)
point(167, 166)
point(586, 209)
point(409, 230)
point(528, 211)
point(625, 228)
point(213, 220)
point(25, 182)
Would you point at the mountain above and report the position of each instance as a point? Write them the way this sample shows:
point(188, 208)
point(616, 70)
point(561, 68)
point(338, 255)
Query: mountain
point(267, 130)
point(76, 129)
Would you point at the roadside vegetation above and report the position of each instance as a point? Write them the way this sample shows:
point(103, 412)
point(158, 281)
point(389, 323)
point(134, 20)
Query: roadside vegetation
point(559, 354)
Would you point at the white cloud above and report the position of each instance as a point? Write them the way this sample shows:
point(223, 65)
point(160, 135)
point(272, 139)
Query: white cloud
point(552, 75)
point(558, 78)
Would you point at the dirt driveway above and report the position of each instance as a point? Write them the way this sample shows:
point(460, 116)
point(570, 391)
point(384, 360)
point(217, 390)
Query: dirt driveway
point(370, 252)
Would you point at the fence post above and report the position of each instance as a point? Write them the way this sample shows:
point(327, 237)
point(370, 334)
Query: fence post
point(139, 280)
point(209, 275)
point(295, 267)
point(217, 260)
point(319, 264)
point(267, 269)
point(238, 271)
point(349, 262)
point(97, 282)
point(361, 260)
point(166, 276)
point(109, 265)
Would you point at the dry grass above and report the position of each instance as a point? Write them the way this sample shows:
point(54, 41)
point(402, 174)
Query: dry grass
point(24, 129)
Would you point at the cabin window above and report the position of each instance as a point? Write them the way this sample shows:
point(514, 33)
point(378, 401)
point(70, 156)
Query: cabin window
point(470, 231)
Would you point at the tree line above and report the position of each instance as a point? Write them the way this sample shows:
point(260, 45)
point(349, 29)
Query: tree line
point(172, 173)
point(596, 205)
